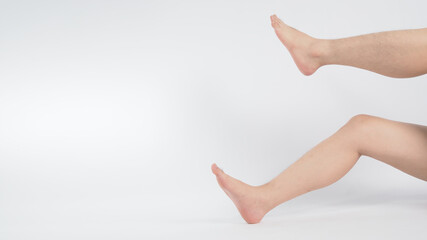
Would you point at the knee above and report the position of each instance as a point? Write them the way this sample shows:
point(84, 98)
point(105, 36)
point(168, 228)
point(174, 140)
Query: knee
point(360, 119)
point(361, 123)
point(357, 129)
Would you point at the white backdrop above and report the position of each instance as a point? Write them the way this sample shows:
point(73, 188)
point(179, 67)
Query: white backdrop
point(111, 113)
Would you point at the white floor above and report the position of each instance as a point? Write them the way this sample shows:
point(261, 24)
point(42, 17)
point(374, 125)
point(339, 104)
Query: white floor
point(383, 215)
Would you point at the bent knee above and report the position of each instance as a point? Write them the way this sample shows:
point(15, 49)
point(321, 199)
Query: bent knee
point(361, 126)
point(358, 128)
point(361, 121)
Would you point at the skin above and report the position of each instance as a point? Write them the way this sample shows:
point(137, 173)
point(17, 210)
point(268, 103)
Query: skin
point(398, 54)
point(401, 145)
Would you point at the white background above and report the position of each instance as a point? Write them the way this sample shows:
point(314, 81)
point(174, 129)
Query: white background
point(111, 113)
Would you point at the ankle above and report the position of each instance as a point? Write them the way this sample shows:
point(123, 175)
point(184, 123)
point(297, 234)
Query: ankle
point(320, 51)
point(267, 196)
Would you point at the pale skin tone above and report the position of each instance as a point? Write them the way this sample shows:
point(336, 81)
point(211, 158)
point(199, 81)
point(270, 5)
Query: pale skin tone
point(399, 54)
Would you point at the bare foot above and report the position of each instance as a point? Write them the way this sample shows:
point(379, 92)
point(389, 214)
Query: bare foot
point(305, 50)
point(249, 200)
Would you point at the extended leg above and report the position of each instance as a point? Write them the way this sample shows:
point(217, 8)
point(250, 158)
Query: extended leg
point(398, 54)
point(401, 145)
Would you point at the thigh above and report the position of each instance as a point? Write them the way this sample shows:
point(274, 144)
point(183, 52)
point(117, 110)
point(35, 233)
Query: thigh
point(401, 145)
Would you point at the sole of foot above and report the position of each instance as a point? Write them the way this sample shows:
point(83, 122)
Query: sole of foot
point(306, 51)
point(248, 199)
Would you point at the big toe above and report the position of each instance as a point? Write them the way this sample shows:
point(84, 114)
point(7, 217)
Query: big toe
point(275, 21)
point(215, 169)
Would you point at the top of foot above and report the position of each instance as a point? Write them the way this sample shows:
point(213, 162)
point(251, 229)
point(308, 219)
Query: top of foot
point(304, 49)
point(248, 199)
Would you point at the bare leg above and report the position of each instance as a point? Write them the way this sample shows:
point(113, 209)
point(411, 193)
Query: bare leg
point(398, 54)
point(401, 145)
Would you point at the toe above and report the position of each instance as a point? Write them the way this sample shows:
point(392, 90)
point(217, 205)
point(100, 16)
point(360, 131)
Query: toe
point(275, 21)
point(273, 17)
point(215, 169)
